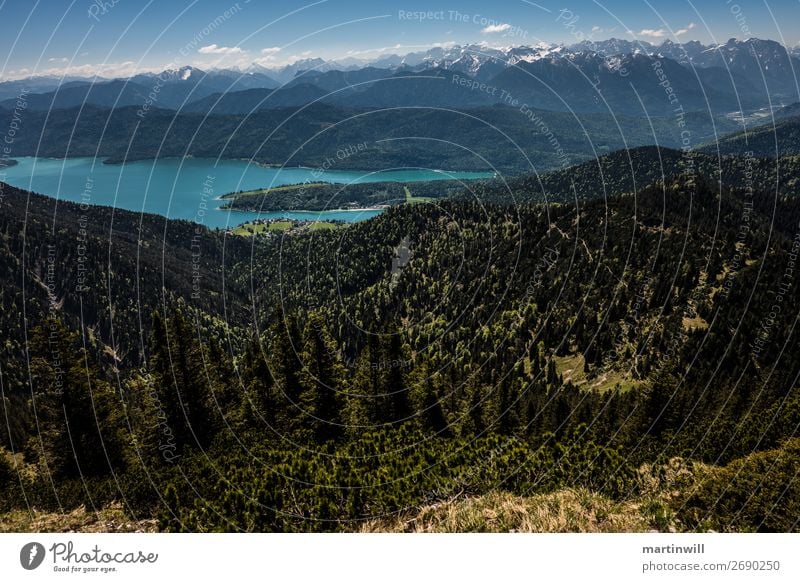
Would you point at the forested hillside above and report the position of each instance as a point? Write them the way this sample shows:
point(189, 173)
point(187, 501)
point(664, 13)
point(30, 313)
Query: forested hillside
point(323, 380)
point(629, 171)
point(779, 138)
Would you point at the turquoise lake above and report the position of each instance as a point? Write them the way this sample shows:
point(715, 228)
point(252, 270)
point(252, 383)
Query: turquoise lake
point(179, 188)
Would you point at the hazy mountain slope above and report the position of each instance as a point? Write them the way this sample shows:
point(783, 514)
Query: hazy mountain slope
point(510, 139)
point(251, 100)
point(769, 140)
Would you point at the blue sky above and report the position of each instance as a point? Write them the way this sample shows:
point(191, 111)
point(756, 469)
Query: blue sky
point(117, 37)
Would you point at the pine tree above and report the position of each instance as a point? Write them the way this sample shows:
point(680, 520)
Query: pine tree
point(394, 382)
point(78, 413)
point(287, 366)
point(181, 376)
point(193, 378)
point(320, 378)
point(257, 401)
point(362, 401)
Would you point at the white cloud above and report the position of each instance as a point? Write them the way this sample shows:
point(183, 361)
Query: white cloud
point(494, 28)
point(58, 60)
point(271, 50)
point(597, 30)
point(108, 70)
point(651, 33)
point(18, 74)
point(656, 33)
point(213, 49)
point(272, 62)
point(396, 49)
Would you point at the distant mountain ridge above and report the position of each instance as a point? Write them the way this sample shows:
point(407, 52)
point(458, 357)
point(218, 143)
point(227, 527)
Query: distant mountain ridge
point(621, 76)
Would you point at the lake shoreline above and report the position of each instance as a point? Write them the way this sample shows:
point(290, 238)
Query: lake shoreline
point(189, 188)
point(365, 209)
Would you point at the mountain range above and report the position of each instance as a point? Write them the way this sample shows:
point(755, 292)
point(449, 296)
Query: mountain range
point(618, 76)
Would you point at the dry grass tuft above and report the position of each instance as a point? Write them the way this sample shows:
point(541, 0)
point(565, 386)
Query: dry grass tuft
point(110, 519)
point(568, 510)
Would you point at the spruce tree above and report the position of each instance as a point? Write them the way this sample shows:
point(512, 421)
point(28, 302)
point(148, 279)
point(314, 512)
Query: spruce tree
point(165, 412)
point(287, 366)
point(257, 401)
point(394, 381)
point(192, 374)
point(79, 416)
point(362, 400)
point(321, 379)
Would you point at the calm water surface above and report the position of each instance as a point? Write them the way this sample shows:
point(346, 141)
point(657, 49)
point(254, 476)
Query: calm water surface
point(188, 188)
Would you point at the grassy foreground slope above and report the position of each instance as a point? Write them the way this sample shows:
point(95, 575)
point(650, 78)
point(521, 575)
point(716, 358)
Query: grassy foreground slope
point(679, 495)
point(758, 492)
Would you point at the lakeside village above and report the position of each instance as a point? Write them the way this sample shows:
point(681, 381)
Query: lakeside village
point(283, 226)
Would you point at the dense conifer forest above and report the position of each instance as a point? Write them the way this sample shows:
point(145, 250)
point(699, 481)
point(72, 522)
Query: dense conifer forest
point(316, 382)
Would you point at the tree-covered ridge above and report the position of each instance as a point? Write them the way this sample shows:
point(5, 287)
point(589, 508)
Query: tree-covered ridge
point(102, 272)
point(318, 196)
point(631, 170)
point(337, 377)
point(95, 264)
point(621, 172)
point(781, 137)
point(634, 282)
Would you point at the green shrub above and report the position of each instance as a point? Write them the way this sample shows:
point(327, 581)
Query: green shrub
point(760, 492)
